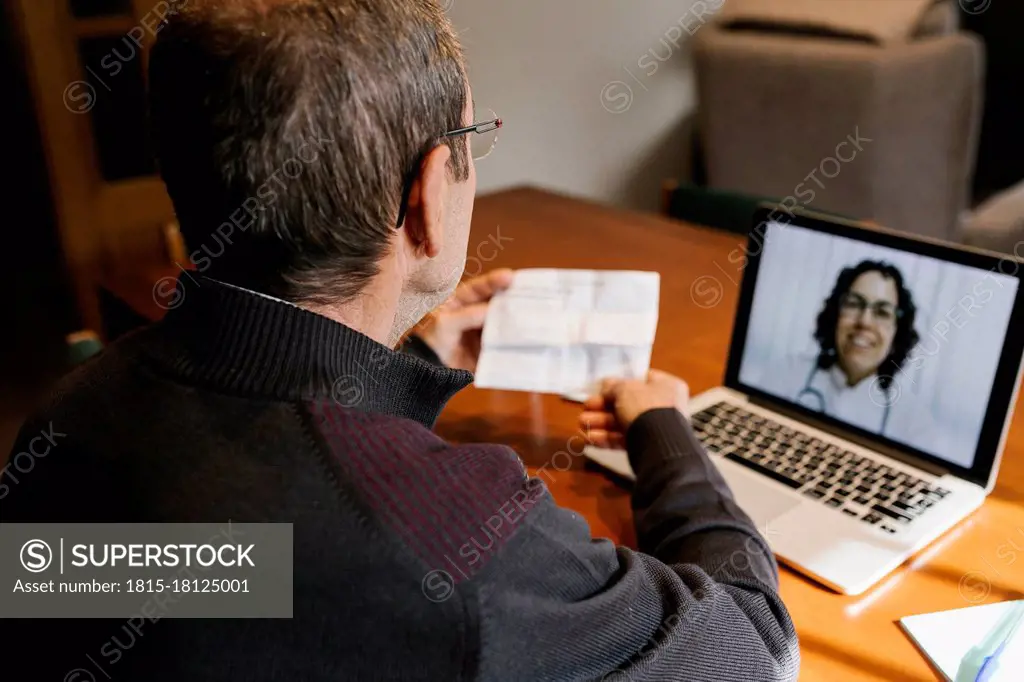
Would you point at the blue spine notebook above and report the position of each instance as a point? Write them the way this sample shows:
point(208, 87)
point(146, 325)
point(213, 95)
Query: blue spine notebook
point(947, 638)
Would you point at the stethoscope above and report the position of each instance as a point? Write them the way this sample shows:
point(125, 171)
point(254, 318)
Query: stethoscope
point(814, 399)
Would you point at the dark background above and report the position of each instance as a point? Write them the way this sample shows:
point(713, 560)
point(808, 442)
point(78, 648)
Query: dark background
point(1001, 151)
point(36, 307)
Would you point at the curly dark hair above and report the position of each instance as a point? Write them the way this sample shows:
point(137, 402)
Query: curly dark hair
point(906, 336)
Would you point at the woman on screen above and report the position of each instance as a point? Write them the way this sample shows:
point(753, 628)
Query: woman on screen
point(865, 331)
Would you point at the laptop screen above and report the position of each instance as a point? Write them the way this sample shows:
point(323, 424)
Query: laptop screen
point(900, 345)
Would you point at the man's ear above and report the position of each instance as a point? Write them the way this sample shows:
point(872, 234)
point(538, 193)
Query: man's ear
point(428, 198)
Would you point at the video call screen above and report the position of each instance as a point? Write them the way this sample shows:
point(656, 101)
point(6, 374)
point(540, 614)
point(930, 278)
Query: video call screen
point(901, 345)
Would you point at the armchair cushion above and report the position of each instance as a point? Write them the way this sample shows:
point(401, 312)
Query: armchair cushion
point(998, 223)
point(887, 21)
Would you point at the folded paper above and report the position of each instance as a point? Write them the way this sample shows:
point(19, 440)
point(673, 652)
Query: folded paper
point(563, 331)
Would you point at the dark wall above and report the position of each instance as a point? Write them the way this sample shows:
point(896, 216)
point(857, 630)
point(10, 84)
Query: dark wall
point(1001, 150)
point(36, 309)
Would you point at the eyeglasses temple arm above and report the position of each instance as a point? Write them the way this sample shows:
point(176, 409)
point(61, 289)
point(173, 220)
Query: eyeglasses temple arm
point(484, 127)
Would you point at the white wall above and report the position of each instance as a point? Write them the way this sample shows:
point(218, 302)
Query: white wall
point(589, 110)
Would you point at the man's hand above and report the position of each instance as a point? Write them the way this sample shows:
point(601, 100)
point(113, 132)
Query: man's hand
point(607, 416)
point(453, 331)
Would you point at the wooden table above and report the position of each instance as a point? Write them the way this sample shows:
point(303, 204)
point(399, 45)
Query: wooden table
point(842, 638)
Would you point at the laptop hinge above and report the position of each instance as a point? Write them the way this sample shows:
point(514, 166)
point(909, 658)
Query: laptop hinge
point(887, 450)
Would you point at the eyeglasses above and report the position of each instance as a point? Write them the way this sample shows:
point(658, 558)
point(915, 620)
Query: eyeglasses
point(486, 135)
point(854, 305)
point(485, 138)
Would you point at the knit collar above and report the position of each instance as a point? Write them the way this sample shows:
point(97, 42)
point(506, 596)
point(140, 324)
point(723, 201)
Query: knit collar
point(238, 341)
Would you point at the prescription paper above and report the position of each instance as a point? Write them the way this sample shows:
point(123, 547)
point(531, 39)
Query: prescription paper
point(563, 331)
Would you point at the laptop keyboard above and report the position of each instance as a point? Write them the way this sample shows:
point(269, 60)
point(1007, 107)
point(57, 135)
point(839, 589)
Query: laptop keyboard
point(850, 483)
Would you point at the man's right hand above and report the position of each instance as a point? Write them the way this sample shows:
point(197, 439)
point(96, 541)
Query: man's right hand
point(607, 416)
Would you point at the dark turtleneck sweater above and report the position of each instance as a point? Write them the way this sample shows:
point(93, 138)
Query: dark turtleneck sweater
point(414, 558)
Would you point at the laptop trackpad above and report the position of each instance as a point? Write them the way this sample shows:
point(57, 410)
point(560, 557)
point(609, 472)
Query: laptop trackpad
point(760, 498)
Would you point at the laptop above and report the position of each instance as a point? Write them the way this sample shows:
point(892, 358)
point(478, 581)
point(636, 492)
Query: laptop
point(870, 384)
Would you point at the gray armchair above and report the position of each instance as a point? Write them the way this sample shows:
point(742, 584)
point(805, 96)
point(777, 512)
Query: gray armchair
point(775, 104)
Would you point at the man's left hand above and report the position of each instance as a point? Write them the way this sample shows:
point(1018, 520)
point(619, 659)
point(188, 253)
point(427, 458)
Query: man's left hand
point(454, 330)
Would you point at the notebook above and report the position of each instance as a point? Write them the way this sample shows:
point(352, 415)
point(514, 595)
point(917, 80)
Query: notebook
point(946, 637)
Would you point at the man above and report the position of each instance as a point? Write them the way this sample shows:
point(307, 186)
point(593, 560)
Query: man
point(224, 410)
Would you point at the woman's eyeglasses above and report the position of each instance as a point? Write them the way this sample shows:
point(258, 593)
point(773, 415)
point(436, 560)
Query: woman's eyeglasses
point(855, 305)
point(485, 138)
